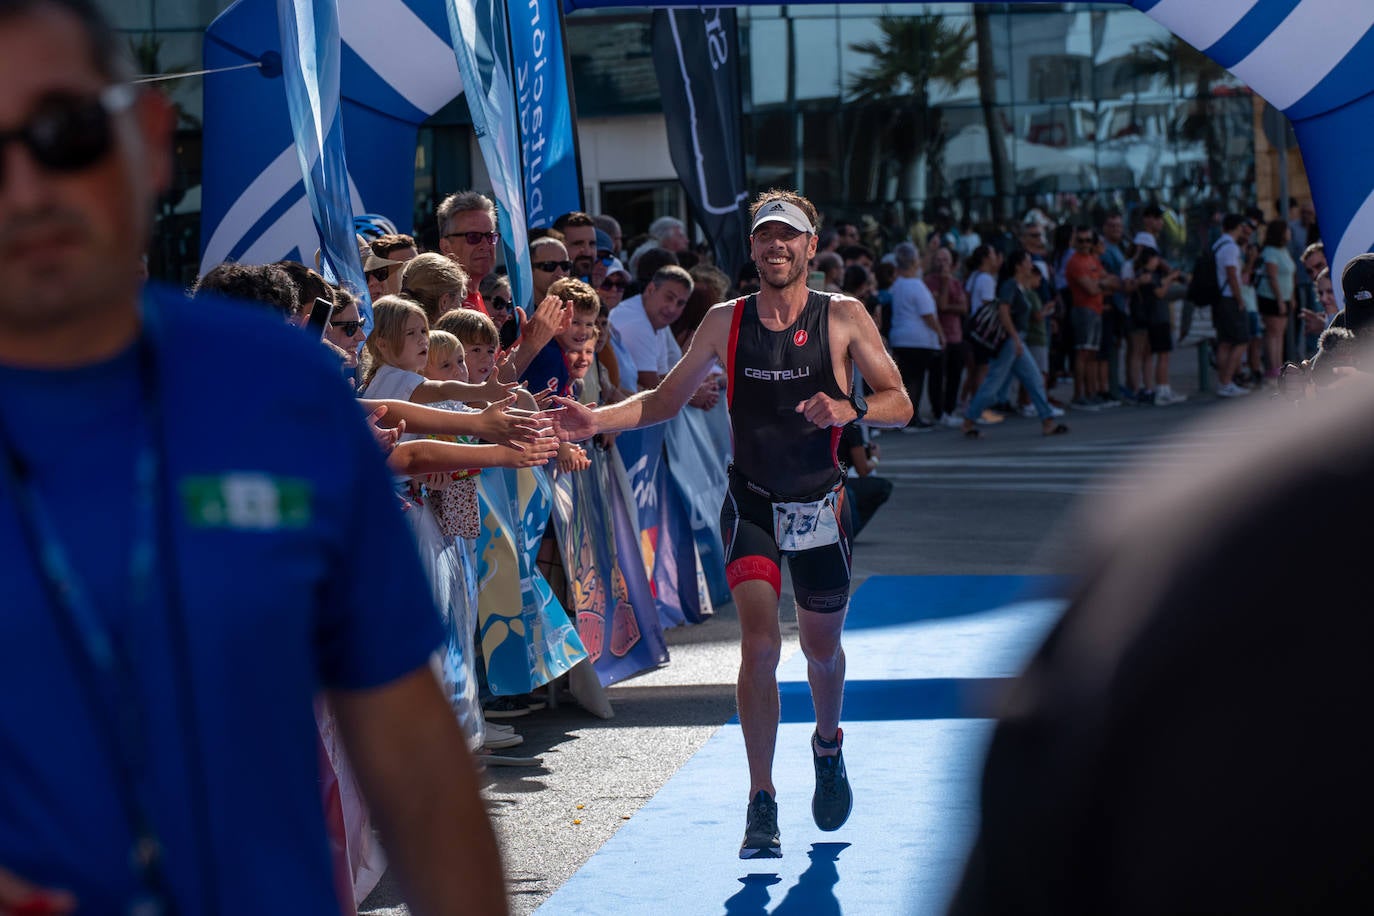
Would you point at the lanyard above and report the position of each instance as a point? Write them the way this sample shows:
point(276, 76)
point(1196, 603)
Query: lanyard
point(102, 663)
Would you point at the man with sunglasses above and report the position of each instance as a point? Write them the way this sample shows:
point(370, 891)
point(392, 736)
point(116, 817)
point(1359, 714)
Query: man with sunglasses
point(467, 234)
point(185, 604)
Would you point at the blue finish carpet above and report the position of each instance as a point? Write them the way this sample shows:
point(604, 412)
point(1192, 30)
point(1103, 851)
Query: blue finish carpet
point(927, 657)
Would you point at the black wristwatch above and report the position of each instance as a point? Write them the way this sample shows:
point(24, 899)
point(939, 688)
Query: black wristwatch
point(857, 401)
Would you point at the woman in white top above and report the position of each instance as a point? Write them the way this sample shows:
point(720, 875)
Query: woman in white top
point(1274, 292)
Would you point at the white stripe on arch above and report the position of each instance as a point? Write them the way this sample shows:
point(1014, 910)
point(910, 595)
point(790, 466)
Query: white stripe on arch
point(1201, 24)
point(1305, 47)
point(407, 54)
point(280, 176)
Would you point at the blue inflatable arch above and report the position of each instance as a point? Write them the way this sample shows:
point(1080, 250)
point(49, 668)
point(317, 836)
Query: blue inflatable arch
point(1311, 59)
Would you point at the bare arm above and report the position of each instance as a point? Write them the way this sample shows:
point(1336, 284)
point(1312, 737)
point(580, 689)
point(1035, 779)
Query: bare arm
point(656, 405)
point(497, 423)
point(432, 392)
point(428, 456)
point(419, 780)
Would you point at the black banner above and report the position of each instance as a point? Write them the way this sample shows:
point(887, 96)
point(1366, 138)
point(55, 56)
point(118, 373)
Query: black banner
point(696, 57)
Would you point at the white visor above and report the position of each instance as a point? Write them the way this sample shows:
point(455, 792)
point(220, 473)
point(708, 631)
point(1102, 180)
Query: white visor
point(780, 211)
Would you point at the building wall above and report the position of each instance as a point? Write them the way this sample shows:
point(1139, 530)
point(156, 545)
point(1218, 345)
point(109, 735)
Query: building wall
point(1087, 126)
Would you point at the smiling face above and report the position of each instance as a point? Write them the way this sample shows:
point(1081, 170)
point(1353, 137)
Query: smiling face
point(781, 254)
point(336, 332)
point(580, 357)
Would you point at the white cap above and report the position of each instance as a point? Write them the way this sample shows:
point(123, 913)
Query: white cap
point(780, 211)
point(1145, 238)
point(617, 268)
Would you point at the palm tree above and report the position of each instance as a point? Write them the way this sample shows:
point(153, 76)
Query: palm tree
point(915, 54)
point(1002, 178)
point(1182, 64)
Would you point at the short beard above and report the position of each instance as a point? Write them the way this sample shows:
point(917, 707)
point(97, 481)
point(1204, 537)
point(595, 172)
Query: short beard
point(797, 272)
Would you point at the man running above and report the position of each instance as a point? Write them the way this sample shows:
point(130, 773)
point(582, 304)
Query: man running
point(789, 353)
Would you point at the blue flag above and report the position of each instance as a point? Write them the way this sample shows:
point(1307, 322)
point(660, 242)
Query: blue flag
point(481, 42)
point(548, 150)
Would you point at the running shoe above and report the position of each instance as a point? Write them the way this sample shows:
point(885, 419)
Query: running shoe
point(761, 840)
point(1084, 404)
point(833, 800)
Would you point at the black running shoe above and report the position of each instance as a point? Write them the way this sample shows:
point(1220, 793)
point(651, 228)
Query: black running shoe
point(761, 839)
point(833, 801)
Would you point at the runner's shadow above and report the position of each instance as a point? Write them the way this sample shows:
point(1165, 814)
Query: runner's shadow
point(812, 895)
point(752, 899)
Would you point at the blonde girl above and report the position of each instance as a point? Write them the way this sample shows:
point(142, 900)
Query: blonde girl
point(397, 352)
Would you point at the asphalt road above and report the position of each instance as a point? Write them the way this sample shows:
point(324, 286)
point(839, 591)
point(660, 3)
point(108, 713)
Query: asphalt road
point(995, 506)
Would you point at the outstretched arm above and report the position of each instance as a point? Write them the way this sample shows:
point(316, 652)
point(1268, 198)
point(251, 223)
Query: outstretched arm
point(428, 456)
point(578, 422)
point(497, 423)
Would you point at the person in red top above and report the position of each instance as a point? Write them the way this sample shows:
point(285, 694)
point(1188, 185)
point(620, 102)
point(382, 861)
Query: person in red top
point(1088, 281)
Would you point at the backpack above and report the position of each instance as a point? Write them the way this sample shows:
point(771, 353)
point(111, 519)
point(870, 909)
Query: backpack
point(1203, 288)
point(986, 325)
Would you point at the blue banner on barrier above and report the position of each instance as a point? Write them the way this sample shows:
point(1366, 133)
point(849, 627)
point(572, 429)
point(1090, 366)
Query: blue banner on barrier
point(526, 636)
point(608, 590)
point(696, 470)
point(548, 149)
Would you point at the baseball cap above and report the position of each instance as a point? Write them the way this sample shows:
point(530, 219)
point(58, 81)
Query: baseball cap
point(603, 242)
point(780, 211)
point(1357, 283)
point(617, 268)
point(1145, 239)
point(374, 262)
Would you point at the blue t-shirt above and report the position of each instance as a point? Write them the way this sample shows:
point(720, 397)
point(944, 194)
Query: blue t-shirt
point(548, 367)
point(273, 498)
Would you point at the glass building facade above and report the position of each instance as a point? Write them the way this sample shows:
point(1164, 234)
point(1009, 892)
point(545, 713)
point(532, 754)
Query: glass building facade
point(1095, 106)
point(867, 108)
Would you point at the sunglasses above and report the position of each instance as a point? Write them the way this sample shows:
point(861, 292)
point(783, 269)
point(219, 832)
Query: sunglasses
point(349, 327)
point(608, 283)
point(380, 274)
point(1083, 240)
point(499, 304)
point(550, 266)
point(71, 132)
point(475, 238)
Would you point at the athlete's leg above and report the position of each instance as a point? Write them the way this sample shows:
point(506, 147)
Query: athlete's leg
point(751, 569)
point(820, 643)
point(756, 692)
